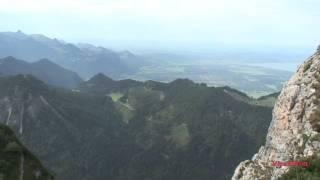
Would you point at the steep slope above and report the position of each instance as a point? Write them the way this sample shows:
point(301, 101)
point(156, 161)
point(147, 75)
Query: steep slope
point(43, 69)
point(16, 162)
point(294, 131)
point(87, 60)
point(75, 135)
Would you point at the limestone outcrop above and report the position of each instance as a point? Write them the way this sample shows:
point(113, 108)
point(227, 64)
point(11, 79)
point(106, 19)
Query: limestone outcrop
point(294, 131)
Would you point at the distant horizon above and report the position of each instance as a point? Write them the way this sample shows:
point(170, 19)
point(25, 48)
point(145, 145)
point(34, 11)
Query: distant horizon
point(281, 60)
point(202, 25)
point(205, 51)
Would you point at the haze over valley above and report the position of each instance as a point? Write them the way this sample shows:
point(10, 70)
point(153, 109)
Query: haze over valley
point(250, 73)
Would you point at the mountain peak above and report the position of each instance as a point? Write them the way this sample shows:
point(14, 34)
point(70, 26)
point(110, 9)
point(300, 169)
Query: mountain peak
point(126, 54)
point(100, 78)
point(182, 81)
point(23, 83)
point(16, 35)
point(12, 60)
point(295, 128)
point(9, 58)
point(46, 61)
point(43, 69)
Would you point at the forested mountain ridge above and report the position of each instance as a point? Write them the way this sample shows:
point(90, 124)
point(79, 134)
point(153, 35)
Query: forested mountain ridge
point(85, 59)
point(135, 130)
point(88, 60)
point(43, 69)
point(103, 85)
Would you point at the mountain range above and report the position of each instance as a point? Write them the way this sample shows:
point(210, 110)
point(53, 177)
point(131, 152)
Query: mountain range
point(117, 130)
point(43, 69)
point(88, 60)
point(105, 128)
point(85, 59)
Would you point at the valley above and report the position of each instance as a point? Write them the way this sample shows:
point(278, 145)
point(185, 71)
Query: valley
point(254, 80)
point(239, 71)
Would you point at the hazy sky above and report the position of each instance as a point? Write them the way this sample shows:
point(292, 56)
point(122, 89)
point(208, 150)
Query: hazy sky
point(151, 24)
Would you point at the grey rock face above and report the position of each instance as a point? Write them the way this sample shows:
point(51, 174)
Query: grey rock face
point(294, 130)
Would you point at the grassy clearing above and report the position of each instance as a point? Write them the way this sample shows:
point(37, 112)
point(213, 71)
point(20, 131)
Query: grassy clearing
point(180, 135)
point(116, 96)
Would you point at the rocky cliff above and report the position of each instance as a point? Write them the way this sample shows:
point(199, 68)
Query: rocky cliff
point(293, 134)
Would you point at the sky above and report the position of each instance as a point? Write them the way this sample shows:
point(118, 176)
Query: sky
point(171, 24)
